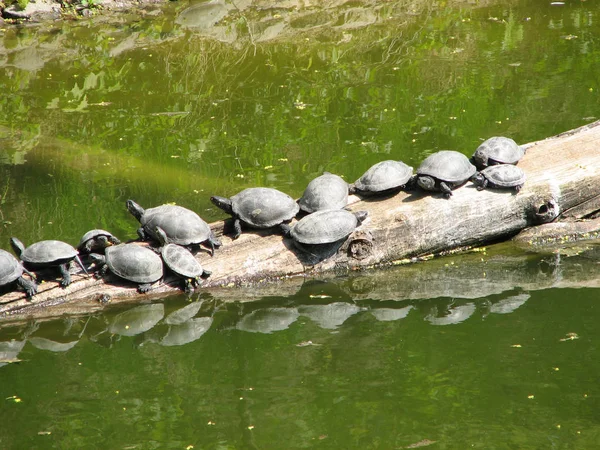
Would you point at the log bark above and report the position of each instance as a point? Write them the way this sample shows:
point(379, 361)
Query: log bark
point(563, 180)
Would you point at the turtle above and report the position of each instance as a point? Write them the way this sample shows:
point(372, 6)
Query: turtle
point(50, 253)
point(383, 178)
point(131, 262)
point(327, 191)
point(501, 176)
point(325, 227)
point(181, 262)
point(443, 171)
point(258, 208)
point(95, 240)
point(182, 226)
point(497, 150)
point(11, 272)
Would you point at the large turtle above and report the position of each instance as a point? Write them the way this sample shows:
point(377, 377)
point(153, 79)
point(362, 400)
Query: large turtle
point(258, 208)
point(49, 253)
point(95, 240)
point(501, 176)
point(325, 227)
point(497, 150)
point(443, 171)
point(383, 178)
point(328, 191)
point(131, 262)
point(182, 226)
point(181, 262)
point(11, 272)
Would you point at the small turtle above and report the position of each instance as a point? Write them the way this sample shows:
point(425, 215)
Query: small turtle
point(383, 178)
point(49, 253)
point(182, 226)
point(443, 171)
point(11, 272)
point(325, 227)
point(96, 240)
point(181, 261)
point(328, 191)
point(258, 208)
point(131, 262)
point(497, 150)
point(501, 176)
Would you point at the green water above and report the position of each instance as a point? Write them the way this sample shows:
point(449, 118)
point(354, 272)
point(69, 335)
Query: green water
point(161, 108)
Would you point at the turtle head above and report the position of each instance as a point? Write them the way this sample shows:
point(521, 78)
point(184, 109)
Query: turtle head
point(426, 182)
point(477, 179)
point(351, 188)
point(161, 236)
point(223, 203)
point(136, 210)
point(285, 229)
point(361, 216)
point(98, 259)
point(17, 246)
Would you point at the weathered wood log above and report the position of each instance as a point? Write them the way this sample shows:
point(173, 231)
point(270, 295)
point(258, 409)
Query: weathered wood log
point(563, 178)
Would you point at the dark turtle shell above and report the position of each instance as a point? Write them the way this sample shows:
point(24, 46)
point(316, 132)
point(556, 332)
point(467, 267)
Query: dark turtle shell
point(384, 176)
point(181, 261)
point(497, 150)
point(503, 176)
point(134, 263)
point(328, 191)
point(263, 207)
point(182, 226)
point(49, 253)
point(10, 268)
point(91, 241)
point(323, 227)
point(447, 165)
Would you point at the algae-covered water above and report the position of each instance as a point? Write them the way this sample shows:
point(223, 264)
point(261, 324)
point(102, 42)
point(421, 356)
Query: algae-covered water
point(492, 350)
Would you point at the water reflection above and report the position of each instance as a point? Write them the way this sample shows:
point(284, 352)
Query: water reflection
point(186, 332)
point(329, 316)
point(137, 320)
point(451, 315)
point(9, 351)
point(268, 320)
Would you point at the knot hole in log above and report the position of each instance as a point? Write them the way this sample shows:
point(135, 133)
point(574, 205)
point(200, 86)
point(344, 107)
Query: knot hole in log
point(545, 211)
point(360, 245)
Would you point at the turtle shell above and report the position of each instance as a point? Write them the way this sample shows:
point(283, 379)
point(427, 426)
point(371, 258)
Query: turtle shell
point(10, 268)
point(181, 261)
point(134, 263)
point(447, 165)
point(504, 176)
point(497, 150)
point(383, 176)
point(324, 227)
point(328, 191)
point(182, 226)
point(263, 207)
point(49, 253)
point(93, 234)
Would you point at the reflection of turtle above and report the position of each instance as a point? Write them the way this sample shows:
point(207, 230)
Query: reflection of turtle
point(382, 178)
point(324, 227)
point(136, 320)
point(133, 263)
point(328, 191)
point(444, 171)
point(502, 176)
point(45, 254)
point(258, 208)
point(180, 261)
point(11, 271)
point(96, 240)
point(497, 150)
point(182, 226)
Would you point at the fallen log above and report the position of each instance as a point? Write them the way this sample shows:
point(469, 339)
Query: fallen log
point(563, 179)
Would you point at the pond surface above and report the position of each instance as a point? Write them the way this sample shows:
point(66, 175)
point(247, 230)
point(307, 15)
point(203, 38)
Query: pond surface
point(203, 99)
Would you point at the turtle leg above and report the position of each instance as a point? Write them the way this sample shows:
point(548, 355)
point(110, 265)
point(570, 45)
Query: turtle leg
point(518, 188)
point(206, 273)
point(237, 226)
point(213, 243)
point(143, 288)
point(189, 285)
point(445, 189)
point(29, 286)
point(66, 276)
point(142, 234)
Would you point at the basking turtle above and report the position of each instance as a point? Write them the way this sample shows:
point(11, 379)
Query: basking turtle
point(131, 262)
point(11, 272)
point(258, 208)
point(383, 178)
point(325, 227)
point(501, 176)
point(49, 253)
point(328, 191)
point(444, 171)
point(96, 240)
point(182, 226)
point(497, 150)
point(181, 262)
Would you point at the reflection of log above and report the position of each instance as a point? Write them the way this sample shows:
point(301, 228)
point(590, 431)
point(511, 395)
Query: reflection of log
point(563, 177)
